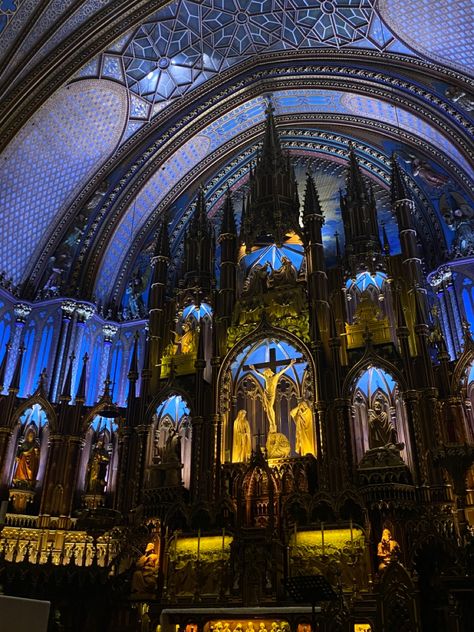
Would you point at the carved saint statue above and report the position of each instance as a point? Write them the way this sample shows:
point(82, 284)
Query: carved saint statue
point(171, 459)
point(302, 415)
point(145, 576)
point(457, 95)
point(387, 549)
point(257, 280)
point(381, 430)
point(241, 444)
point(97, 469)
point(187, 341)
point(27, 461)
point(285, 275)
point(269, 392)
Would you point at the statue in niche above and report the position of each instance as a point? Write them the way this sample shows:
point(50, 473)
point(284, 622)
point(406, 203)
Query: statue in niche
point(241, 443)
point(27, 461)
point(257, 281)
point(382, 432)
point(97, 469)
point(146, 571)
point(460, 217)
point(285, 275)
point(302, 415)
point(388, 550)
point(187, 341)
point(171, 459)
point(458, 95)
point(135, 288)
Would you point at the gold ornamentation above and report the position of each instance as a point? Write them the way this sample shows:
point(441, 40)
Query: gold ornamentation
point(241, 441)
point(302, 415)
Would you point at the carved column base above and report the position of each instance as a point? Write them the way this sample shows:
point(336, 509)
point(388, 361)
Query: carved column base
point(20, 499)
point(93, 501)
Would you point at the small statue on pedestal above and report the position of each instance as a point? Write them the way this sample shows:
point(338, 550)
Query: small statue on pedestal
point(388, 550)
point(97, 469)
point(146, 570)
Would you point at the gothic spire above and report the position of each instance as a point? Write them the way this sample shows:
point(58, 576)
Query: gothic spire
point(312, 205)
point(356, 186)
point(228, 226)
point(398, 188)
point(162, 246)
point(81, 389)
point(15, 382)
point(67, 387)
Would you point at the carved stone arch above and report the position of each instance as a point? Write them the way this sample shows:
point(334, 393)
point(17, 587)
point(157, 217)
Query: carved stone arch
point(45, 405)
point(177, 517)
point(323, 508)
point(264, 330)
point(371, 358)
point(398, 608)
point(165, 393)
point(92, 414)
point(350, 505)
point(297, 508)
point(461, 368)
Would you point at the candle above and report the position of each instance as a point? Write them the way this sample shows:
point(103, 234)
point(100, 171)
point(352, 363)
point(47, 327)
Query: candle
point(322, 536)
point(199, 545)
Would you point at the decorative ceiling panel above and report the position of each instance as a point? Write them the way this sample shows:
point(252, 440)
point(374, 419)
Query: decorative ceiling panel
point(440, 30)
point(50, 160)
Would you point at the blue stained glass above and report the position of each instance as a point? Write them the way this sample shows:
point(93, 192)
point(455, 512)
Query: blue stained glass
point(263, 352)
point(272, 255)
point(175, 407)
point(33, 416)
point(197, 312)
point(102, 423)
point(364, 279)
point(374, 379)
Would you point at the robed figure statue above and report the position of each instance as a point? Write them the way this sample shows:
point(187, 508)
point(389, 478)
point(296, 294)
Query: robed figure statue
point(382, 432)
point(302, 415)
point(97, 469)
point(27, 461)
point(242, 443)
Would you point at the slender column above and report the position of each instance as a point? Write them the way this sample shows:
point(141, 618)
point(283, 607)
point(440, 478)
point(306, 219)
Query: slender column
point(22, 311)
point(109, 331)
point(67, 307)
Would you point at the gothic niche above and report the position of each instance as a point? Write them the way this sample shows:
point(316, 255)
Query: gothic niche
point(271, 392)
point(380, 433)
point(99, 462)
point(181, 351)
point(28, 451)
point(169, 446)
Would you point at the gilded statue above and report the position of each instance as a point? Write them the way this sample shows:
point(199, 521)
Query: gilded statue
point(382, 432)
point(249, 627)
point(257, 280)
point(269, 391)
point(187, 341)
point(302, 415)
point(387, 550)
point(146, 570)
point(97, 469)
point(27, 461)
point(242, 443)
point(285, 275)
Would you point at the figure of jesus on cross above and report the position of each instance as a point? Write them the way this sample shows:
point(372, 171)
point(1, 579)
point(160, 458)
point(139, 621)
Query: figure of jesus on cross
point(271, 378)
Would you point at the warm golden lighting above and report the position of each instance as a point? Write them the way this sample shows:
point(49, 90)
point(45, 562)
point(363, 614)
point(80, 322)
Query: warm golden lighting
point(333, 538)
point(207, 545)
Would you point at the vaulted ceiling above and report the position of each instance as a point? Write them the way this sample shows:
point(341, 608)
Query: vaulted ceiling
point(112, 111)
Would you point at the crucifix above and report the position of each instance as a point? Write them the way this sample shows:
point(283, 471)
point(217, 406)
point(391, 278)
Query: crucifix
point(271, 375)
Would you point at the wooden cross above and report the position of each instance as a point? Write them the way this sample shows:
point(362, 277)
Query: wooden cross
point(273, 363)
